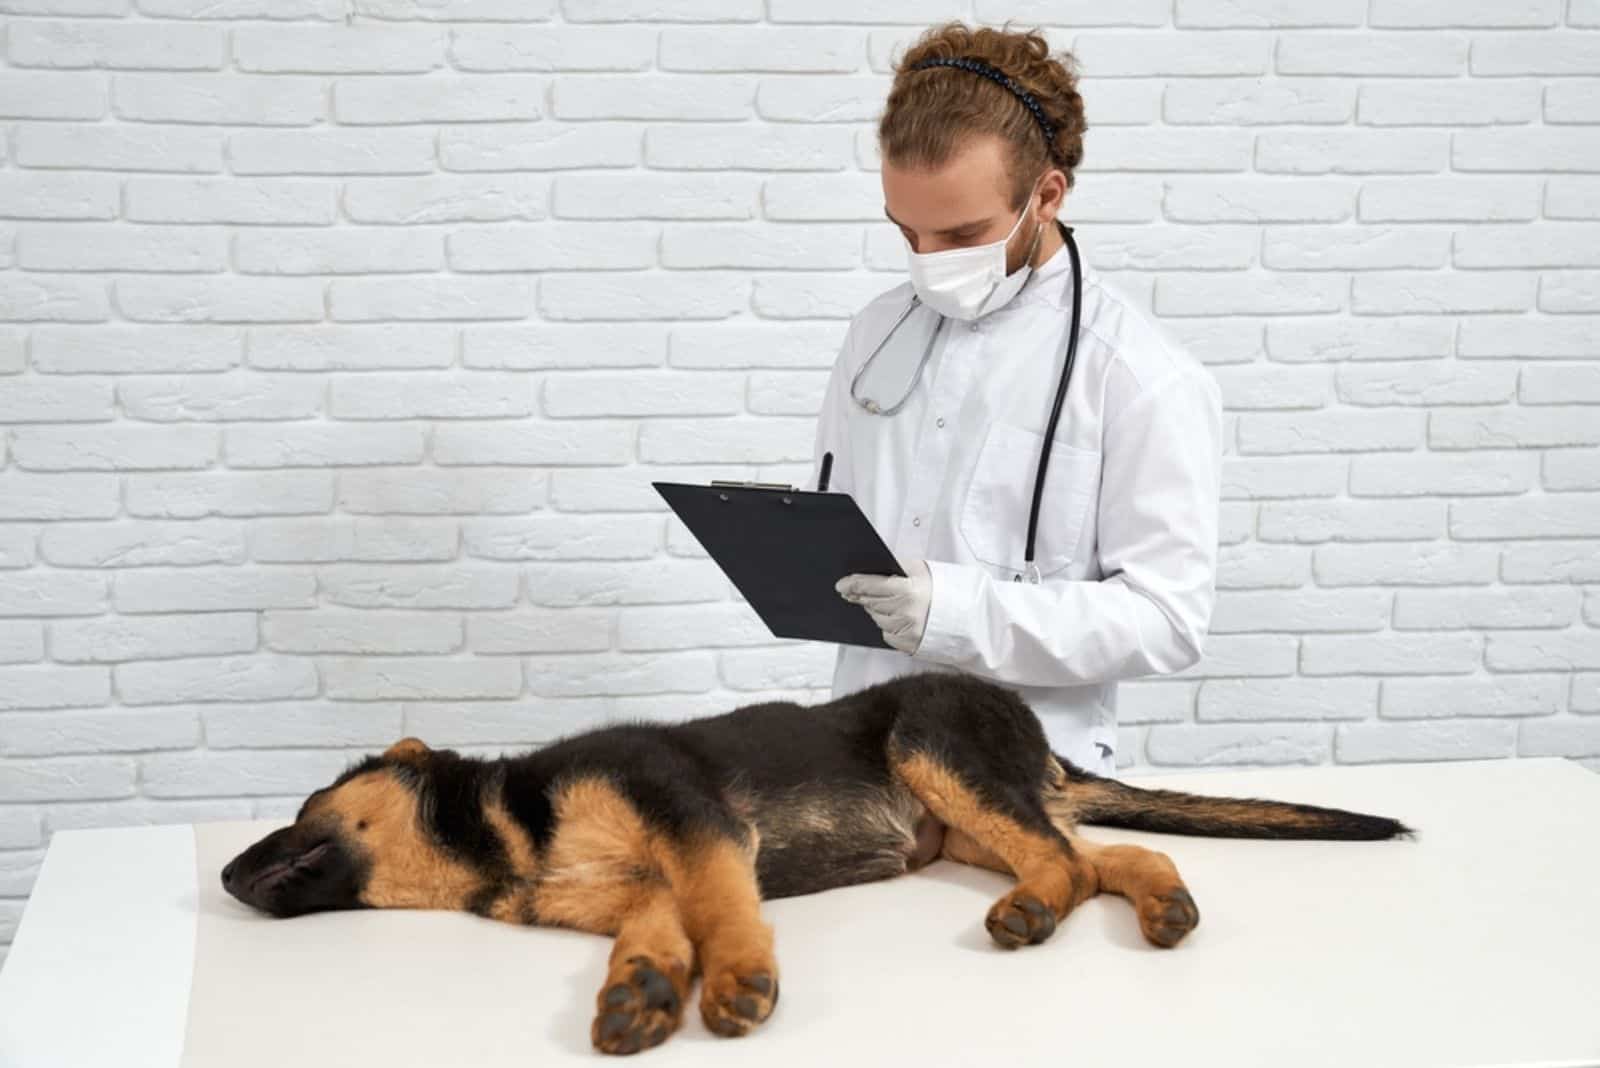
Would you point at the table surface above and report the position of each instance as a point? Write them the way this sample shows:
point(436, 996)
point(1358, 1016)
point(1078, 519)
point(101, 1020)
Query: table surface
point(1476, 944)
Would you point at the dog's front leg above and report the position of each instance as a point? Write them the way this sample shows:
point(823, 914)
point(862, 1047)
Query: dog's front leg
point(652, 966)
point(713, 878)
point(683, 878)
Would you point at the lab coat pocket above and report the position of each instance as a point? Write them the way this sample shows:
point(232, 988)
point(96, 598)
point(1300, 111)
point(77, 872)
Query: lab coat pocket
point(994, 515)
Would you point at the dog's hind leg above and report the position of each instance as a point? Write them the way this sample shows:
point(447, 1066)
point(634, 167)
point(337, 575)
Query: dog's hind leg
point(1001, 822)
point(961, 848)
point(647, 983)
point(1150, 882)
point(1147, 878)
point(714, 880)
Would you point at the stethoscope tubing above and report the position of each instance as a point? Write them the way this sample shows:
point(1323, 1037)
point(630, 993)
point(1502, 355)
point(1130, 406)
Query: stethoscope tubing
point(1061, 396)
point(1055, 410)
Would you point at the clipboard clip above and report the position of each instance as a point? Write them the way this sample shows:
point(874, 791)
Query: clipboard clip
point(735, 484)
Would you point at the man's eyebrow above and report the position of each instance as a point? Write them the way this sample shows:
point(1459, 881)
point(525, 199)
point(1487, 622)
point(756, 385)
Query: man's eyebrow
point(944, 231)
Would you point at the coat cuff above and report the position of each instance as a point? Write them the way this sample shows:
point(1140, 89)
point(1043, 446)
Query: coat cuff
point(954, 594)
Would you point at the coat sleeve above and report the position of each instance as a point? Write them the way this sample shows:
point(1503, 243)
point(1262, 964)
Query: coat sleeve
point(1157, 527)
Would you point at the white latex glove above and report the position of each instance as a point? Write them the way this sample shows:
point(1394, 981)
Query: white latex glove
point(899, 606)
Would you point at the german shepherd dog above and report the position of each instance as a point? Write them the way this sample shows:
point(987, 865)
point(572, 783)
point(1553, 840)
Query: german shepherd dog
point(667, 837)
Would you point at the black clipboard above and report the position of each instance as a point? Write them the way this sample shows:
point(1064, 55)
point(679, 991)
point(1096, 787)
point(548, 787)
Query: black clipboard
point(784, 549)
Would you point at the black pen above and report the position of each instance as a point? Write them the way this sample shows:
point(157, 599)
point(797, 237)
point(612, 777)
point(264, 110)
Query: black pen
point(827, 469)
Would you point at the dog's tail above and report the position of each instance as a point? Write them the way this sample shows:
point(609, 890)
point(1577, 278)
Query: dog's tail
point(1108, 803)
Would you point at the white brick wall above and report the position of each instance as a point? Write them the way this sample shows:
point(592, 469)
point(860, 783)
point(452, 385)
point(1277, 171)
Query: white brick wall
point(340, 339)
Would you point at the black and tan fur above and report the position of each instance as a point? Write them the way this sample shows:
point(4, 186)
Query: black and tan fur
point(669, 837)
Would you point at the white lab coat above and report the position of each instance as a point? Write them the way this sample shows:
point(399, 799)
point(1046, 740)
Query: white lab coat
point(1127, 539)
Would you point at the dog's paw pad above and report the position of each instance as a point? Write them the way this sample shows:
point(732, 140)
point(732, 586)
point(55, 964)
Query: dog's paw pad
point(1020, 919)
point(637, 1011)
point(1166, 918)
point(733, 1003)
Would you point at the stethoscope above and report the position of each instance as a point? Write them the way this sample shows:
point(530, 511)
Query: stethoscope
point(1055, 410)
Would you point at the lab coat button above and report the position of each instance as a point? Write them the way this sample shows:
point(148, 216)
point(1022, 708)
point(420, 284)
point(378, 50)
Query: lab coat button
point(941, 421)
point(916, 521)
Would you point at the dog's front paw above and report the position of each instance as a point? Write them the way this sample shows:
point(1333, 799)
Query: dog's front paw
point(734, 999)
point(1020, 919)
point(1166, 918)
point(638, 1008)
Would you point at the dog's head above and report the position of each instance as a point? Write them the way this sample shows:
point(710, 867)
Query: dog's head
point(363, 842)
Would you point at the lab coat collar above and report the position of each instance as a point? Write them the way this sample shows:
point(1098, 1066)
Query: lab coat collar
point(1051, 281)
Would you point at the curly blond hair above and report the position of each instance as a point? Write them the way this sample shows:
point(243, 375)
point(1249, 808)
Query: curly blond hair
point(933, 112)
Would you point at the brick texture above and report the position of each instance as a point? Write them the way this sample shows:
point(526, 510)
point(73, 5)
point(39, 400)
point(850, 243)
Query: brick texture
point(337, 353)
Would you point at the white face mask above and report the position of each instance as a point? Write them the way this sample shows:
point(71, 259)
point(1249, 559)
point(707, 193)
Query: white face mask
point(968, 283)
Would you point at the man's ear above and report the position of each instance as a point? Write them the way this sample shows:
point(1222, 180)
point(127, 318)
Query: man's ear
point(407, 751)
point(1053, 190)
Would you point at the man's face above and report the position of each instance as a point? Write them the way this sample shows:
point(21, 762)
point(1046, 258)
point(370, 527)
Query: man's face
point(966, 202)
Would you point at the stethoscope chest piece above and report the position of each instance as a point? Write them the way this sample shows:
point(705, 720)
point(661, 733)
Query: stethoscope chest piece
point(871, 406)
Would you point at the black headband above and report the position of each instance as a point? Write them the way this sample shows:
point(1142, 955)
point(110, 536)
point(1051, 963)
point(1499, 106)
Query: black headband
point(1003, 80)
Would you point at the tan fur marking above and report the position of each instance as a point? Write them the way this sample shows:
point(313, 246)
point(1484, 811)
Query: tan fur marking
point(655, 930)
point(408, 870)
point(407, 749)
point(1055, 776)
point(601, 864)
point(516, 905)
point(1058, 803)
point(1129, 870)
point(1047, 867)
point(719, 900)
point(960, 847)
point(715, 882)
point(513, 837)
point(1150, 882)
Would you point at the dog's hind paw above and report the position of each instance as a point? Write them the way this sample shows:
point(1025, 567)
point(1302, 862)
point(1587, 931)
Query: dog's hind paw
point(1020, 919)
point(1166, 918)
point(639, 1009)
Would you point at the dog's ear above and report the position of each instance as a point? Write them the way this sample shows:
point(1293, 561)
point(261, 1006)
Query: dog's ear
point(407, 751)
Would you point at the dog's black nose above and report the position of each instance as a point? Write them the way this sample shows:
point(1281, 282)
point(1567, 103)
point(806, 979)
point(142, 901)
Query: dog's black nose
point(227, 873)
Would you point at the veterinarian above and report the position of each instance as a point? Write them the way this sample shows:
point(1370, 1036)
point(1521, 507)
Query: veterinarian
point(936, 412)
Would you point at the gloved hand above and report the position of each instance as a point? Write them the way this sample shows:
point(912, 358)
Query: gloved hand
point(899, 606)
